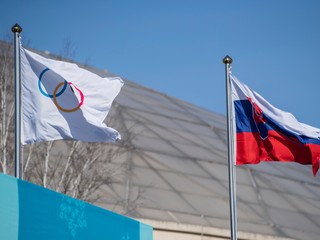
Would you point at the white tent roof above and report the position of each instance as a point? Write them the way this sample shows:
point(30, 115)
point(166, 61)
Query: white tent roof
point(177, 161)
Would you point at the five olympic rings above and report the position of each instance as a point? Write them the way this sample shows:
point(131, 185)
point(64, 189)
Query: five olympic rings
point(57, 93)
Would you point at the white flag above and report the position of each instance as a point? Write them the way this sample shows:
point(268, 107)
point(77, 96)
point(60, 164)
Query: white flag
point(62, 101)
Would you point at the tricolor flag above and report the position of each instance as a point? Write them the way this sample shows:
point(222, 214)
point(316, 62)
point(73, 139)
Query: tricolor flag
point(63, 101)
point(266, 133)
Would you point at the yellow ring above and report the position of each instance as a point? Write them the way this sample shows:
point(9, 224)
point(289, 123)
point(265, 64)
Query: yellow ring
point(56, 103)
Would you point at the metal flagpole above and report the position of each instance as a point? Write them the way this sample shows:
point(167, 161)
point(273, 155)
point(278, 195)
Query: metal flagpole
point(16, 29)
point(231, 150)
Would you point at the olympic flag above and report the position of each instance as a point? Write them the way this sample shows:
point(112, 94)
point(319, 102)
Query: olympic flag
point(265, 133)
point(63, 101)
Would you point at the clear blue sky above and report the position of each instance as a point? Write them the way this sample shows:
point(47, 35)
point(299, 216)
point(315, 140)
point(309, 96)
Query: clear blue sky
point(177, 46)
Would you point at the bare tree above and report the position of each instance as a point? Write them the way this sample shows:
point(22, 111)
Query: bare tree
point(6, 108)
point(68, 51)
point(74, 168)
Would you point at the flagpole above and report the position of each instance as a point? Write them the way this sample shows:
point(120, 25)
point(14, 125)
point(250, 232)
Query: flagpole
point(231, 153)
point(16, 29)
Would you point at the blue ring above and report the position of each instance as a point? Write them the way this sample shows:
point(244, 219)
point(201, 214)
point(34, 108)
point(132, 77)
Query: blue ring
point(46, 94)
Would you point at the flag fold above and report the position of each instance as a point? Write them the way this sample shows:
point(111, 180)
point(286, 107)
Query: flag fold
point(63, 101)
point(266, 133)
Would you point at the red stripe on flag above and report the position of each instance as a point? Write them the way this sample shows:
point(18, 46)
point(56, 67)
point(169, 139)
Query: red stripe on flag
point(251, 149)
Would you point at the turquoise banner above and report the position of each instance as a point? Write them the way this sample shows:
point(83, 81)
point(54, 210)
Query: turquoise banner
point(31, 212)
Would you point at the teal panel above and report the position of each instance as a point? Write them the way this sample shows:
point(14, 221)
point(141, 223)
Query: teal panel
point(31, 212)
point(9, 211)
point(146, 232)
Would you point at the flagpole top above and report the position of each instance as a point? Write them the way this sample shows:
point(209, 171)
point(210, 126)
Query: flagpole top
point(16, 28)
point(227, 60)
